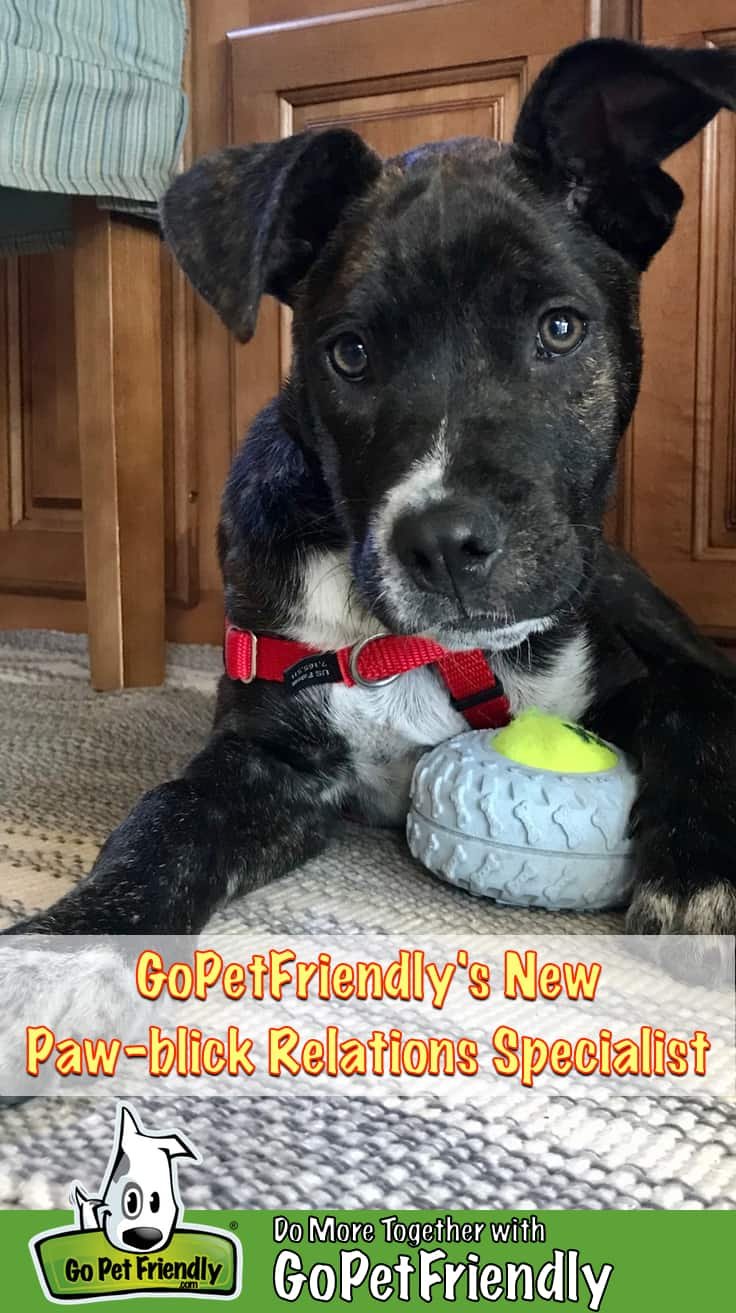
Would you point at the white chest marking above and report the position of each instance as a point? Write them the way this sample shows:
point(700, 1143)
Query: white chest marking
point(563, 689)
point(388, 727)
point(328, 613)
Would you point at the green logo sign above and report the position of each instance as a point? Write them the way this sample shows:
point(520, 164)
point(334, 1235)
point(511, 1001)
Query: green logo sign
point(128, 1240)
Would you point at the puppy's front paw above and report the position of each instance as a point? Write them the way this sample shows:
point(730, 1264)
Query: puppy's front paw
point(662, 907)
point(685, 854)
point(706, 914)
point(69, 992)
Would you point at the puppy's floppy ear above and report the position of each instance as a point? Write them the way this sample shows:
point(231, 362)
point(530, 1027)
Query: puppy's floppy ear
point(177, 1146)
point(603, 115)
point(252, 219)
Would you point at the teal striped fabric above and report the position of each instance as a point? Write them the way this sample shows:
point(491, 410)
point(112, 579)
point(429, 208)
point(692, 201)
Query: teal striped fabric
point(90, 95)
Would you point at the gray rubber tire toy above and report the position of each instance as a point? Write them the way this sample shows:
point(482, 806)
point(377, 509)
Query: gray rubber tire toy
point(522, 835)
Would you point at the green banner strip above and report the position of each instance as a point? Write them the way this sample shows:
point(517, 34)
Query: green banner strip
point(380, 1260)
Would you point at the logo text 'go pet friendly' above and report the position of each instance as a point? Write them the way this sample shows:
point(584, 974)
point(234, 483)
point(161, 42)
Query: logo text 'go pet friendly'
point(127, 1240)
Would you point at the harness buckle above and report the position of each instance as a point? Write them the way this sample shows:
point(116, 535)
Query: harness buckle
point(233, 638)
point(355, 652)
point(248, 679)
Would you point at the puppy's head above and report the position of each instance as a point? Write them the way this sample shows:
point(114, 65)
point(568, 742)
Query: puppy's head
point(466, 346)
point(140, 1201)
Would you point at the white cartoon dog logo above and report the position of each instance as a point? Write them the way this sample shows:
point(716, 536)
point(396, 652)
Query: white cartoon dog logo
point(139, 1205)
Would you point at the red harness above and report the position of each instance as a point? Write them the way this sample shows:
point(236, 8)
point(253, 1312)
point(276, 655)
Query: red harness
point(474, 689)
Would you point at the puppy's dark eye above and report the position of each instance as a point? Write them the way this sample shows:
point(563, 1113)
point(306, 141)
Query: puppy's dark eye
point(559, 331)
point(132, 1201)
point(349, 356)
point(154, 1202)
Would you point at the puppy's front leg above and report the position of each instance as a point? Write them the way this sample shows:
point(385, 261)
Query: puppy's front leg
point(243, 813)
point(680, 726)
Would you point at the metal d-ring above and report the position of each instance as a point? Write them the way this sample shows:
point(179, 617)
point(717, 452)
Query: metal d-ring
point(355, 652)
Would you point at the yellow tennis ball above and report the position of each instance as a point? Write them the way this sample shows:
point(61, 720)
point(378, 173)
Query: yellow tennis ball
point(547, 743)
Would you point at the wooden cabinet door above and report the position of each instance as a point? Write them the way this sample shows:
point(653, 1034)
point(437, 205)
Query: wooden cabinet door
point(40, 499)
point(41, 512)
point(402, 75)
point(678, 510)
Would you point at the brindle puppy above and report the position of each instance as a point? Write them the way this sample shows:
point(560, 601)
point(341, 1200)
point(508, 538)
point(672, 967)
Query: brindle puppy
point(466, 359)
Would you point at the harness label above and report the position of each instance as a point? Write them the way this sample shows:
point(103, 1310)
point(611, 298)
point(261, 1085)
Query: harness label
point(322, 668)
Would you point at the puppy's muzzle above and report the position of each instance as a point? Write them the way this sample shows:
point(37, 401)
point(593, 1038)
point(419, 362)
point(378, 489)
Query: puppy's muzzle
point(449, 548)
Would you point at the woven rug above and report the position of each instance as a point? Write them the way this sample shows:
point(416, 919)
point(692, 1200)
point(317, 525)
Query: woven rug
point(73, 763)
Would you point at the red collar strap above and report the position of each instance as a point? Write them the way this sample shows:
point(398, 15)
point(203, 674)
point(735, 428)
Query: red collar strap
point(474, 689)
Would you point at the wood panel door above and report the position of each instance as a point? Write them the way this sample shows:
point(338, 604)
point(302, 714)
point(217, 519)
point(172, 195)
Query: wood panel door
point(41, 511)
point(679, 496)
point(402, 75)
point(41, 546)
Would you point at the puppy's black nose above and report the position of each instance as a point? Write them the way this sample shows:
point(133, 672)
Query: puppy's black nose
point(143, 1237)
point(446, 547)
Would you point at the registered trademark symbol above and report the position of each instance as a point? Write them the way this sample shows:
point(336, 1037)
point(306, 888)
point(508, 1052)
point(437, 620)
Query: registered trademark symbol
point(233, 1225)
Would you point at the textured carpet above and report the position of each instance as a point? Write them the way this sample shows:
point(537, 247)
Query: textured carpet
point(72, 764)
